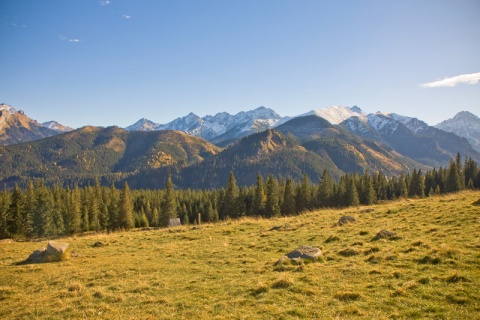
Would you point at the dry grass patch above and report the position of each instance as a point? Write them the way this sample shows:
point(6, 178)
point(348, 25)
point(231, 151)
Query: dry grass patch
point(226, 270)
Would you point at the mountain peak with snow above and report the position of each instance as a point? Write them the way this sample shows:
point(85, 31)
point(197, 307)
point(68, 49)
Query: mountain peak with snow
point(337, 114)
point(54, 125)
point(464, 124)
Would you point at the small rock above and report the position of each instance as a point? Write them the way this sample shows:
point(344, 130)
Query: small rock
point(305, 253)
point(6, 241)
point(349, 252)
point(384, 234)
point(99, 244)
point(346, 219)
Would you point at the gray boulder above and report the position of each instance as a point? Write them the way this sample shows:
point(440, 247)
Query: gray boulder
point(56, 248)
point(55, 251)
point(305, 253)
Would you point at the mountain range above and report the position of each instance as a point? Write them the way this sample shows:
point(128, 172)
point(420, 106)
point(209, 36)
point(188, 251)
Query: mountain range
point(200, 152)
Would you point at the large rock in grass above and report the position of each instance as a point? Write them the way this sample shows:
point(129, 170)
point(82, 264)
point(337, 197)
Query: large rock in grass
point(55, 251)
point(305, 253)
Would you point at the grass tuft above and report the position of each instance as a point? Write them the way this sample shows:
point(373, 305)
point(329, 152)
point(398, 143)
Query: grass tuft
point(348, 296)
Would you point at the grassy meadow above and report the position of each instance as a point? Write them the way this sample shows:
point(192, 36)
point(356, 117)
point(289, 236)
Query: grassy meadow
point(227, 270)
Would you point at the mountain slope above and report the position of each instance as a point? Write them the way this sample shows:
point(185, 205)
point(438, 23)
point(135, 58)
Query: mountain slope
point(349, 153)
point(464, 124)
point(411, 137)
point(16, 127)
point(91, 152)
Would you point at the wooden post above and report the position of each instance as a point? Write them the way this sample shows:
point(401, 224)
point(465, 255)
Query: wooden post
point(199, 219)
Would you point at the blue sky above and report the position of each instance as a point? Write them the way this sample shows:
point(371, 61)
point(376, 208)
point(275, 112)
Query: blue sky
point(91, 62)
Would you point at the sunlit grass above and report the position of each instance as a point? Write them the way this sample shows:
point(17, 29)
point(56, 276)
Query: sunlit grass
point(431, 269)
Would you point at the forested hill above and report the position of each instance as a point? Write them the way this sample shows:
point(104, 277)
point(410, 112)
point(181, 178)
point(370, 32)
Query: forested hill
point(109, 154)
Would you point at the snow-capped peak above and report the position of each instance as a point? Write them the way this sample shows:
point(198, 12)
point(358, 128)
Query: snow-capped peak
point(143, 125)
point(464, 124)
point(337, 114)
point(10, 109)
point(54, 125)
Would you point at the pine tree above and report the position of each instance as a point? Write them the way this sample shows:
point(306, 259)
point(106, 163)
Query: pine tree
point(30, 198)
point(260, 198)
point(113, 208)
point(453, 182)
point(368, 195)
point(401, 190)
point(272, 207)
point(155, 218)
point(470, 171)
point(325, 191)
point(169, 204)
point(126, 209)
point(231, 197)
point(288, 205)
point(458, 165)
point(75, 217)
point(15, 213)
point(417, 184)
point(303, 199)
point(351, 193)
point(43, 213)
point(4, 218)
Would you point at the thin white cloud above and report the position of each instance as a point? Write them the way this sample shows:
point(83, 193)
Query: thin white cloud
point(125, 16)
point(63, 38)
point(471, 78)
point(105, 2)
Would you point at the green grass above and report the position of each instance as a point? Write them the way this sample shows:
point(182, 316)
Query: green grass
point(431, 269)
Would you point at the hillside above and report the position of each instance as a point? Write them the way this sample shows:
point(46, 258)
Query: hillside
point(108, 153)
point(227, 270)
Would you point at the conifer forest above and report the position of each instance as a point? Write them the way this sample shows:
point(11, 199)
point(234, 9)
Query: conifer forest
point(41, 211)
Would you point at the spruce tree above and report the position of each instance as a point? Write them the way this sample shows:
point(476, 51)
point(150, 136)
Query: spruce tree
point(417, 184)
point(44, 224)
point(288, 205)
point(259, 198)
point(15, 213)
point(368, 195)
point(113, 208)
point(231, 197)
point(75, 217)
point(169, 204)
point(453, 182)
point(155, 218)
point(351, 193)
point(126, 209)
point(4, 218)
point(28, 210)
point(303, 199)
point(325, 191)
point(272, 207)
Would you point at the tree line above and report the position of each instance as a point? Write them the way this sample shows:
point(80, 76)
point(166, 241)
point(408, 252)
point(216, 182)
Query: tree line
point(39, 211)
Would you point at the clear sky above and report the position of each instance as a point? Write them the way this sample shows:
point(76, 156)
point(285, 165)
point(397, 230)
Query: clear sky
point(91, 62)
